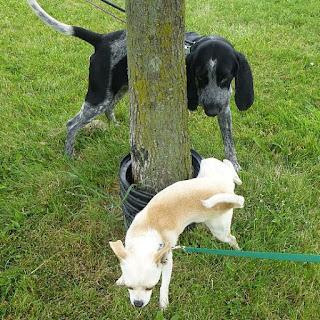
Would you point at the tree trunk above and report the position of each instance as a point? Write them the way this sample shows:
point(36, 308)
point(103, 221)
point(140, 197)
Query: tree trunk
point(160, 147)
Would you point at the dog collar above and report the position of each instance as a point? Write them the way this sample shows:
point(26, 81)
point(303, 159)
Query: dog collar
point(187, 46)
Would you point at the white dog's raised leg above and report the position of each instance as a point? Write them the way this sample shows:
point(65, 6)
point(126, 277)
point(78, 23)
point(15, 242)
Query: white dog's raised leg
point(220, 228)
point(165, 281)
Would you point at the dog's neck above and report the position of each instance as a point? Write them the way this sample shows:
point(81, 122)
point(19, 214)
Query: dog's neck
point(150, 240)
point(150, 230)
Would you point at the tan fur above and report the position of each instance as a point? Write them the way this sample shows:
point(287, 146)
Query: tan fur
point(180, 202)
point(159, 254)
point(118, 249)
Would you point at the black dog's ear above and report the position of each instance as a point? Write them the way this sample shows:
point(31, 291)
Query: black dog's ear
point(244, 95)
point(192, 94)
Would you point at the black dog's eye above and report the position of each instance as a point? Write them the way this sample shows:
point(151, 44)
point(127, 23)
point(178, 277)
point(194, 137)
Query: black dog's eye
point(224, 82)
point(201, 80)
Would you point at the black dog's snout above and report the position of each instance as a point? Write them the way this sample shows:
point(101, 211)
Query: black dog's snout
point(138, 303)
point(212, 110)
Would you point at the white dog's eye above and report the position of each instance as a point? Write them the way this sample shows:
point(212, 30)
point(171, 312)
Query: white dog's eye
point(130, 288)
point(149, 288)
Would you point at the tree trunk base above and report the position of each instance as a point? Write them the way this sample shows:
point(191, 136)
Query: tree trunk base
point(134, 199)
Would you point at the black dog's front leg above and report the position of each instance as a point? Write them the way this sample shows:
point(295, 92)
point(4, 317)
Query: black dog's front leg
point(225, 123)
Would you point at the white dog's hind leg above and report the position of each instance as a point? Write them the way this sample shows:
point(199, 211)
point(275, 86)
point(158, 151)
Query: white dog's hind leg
point(220, 228)
point(165, 281)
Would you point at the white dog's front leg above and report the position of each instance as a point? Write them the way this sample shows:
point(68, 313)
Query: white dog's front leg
point(165, 281)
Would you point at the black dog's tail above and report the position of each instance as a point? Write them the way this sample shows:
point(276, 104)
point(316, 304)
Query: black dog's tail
point(84, 34)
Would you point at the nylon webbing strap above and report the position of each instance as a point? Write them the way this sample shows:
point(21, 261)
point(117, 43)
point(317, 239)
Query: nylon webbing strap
point(258, 255)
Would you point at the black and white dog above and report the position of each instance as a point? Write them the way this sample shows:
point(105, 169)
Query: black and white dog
point(211, 64)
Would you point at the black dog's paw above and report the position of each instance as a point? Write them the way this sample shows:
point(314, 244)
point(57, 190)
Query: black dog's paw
point(236, 165)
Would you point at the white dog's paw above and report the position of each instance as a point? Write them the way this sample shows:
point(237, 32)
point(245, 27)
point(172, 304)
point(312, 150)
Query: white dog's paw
point(120, 281)
point(164, 301)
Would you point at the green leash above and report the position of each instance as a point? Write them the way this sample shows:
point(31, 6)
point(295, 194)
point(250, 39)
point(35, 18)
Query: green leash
point(257, 255)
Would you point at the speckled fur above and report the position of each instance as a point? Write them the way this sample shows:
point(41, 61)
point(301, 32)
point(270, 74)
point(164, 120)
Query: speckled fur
point(211, 66)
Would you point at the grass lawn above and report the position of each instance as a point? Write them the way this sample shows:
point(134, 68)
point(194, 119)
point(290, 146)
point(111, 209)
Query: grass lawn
point(57, 215)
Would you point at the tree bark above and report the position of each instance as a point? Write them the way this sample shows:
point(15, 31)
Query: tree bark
point(160, 147)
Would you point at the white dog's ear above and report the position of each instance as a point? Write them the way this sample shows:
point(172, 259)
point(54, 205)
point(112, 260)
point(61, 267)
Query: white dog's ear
point(235, 176)
point(158, 256)
point(118, 249)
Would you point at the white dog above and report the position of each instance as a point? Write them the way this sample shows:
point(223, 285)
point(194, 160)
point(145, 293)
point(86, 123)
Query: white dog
point(209, 198)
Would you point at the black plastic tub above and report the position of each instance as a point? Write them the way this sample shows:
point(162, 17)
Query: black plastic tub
point(133, 199)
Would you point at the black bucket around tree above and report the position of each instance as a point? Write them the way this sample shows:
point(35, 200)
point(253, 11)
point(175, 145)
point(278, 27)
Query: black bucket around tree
point(133, 199)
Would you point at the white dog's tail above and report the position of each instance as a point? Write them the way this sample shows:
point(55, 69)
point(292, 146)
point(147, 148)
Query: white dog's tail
point(238, 201)
point(84, 34)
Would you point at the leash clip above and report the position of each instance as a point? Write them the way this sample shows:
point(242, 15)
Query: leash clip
point(177, 247)
point(187, 49)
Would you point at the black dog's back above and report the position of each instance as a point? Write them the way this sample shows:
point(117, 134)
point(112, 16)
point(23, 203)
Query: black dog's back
point(108, 66)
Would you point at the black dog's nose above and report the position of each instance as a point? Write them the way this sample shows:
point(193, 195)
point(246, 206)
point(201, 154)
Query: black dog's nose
point(212, 110)
point(138, 303)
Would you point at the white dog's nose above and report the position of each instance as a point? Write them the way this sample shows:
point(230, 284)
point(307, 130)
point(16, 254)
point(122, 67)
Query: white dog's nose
point(138, 303)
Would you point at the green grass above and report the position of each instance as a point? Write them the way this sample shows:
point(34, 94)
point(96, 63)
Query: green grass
point(57, 215)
